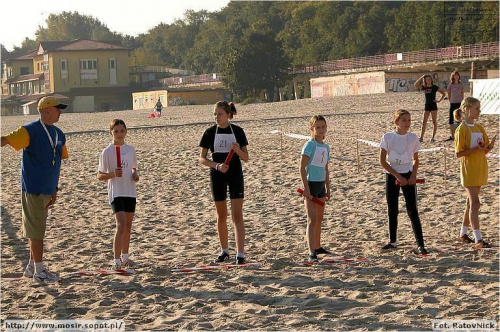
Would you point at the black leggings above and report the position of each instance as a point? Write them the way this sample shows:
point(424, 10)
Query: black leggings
point(410, 194)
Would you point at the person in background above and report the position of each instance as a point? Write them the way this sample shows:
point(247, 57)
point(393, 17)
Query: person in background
point(431, 107)
point(455, 95)
point(158, 107)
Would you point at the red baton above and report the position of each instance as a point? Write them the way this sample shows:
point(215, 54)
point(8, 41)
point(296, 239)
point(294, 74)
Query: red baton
point(418, 181)
point(118, 157)
point(314, 199)
point(229, 156)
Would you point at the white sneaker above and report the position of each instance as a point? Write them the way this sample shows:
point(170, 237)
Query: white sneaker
point(29, 271)
point(45, 276)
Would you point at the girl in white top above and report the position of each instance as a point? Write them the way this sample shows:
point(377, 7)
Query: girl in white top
point(399, 158)
point(122, 191)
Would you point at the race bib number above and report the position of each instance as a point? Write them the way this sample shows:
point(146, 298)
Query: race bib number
point(223, 142)
point(476, 139)
point(320, 157)
point(398, 159)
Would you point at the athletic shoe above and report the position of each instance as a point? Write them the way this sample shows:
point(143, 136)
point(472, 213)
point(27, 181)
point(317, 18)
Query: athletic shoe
point(481, 244)
point(240, 260)
point(129, 264)
point(222, 258)
point(432, 140)
point(389, 246)
point(116, 266)
point(29, 271)
point(449, 139)
point(421, 140)
point(421, 250)
point(313, 258)
point(45, 276)
point(321, 251)
point(465, 239)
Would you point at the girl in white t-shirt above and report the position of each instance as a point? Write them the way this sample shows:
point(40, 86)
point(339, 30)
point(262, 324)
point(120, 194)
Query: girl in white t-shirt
point(122, 191)
point(399, 158)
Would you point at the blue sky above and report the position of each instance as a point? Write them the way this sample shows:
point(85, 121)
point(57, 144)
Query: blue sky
point(129, 17)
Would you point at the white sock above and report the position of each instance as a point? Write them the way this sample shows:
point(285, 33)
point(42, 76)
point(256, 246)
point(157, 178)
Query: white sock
point(117, 261)
point(394, 244)
point(39, 267)
point(240, 255)
point(225, 251)
point(124, 257)
point(463, 230)
point(477, 235)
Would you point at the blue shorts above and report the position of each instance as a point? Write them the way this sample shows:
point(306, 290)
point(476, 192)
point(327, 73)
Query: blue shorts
point(125, 204)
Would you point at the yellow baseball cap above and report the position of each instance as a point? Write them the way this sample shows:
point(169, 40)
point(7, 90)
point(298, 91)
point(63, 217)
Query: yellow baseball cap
point(50, 101)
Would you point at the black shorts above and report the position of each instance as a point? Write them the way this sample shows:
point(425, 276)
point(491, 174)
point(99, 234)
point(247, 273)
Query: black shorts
point(220, 182)
point(431, 107)
point(453, 107)
point(317, 189)
point(125, 204)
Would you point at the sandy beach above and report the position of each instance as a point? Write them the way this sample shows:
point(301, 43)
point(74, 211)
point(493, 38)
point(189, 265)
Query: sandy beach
point(175, 227)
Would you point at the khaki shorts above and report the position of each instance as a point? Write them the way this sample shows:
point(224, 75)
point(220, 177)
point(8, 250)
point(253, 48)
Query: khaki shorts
point(35, 214)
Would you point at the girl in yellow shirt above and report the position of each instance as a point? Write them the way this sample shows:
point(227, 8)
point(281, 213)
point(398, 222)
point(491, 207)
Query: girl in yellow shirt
point(471, 145)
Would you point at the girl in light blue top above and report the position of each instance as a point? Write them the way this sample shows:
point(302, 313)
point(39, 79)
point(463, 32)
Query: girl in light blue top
point(316, 180)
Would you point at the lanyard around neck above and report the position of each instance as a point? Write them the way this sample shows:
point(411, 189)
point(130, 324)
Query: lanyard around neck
point(51, 142)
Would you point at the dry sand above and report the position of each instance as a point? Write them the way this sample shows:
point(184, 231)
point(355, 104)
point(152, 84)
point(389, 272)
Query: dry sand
point(175, 226)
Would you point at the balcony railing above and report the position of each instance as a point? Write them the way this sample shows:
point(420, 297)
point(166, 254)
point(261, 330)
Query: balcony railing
point(204, 78)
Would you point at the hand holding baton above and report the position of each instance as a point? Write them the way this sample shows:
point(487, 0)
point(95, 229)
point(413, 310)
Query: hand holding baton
point(118, 157)
point(314, 199)
point(418, 181)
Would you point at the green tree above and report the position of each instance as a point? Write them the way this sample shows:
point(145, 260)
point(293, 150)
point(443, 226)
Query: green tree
point(72, 25)
point(488, 24)
point(367, 38)
point(257, 64)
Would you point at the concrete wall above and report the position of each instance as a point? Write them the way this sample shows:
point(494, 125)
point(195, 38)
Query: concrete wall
point(353, 84)
point(381, 82)
point(201, 97)
point(148, 99)
point(402, 82)
point(494, 73)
